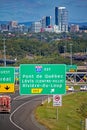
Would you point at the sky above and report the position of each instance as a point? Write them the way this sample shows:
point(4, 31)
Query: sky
point(34, 10)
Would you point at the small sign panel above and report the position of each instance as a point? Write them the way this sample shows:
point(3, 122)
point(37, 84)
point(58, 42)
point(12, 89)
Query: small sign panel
point(42, 79)
point(6, 79)
point(57, 100)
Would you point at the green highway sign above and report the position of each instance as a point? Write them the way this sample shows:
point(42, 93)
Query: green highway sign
point(6, 79)
point(42, 79)
point(71, 68)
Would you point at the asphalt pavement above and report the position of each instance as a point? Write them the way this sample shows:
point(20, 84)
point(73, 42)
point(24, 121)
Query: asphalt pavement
point(21, 116)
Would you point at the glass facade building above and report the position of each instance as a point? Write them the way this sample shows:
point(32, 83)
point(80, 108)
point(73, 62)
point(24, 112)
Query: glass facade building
point(61, 18)
point(46, 21)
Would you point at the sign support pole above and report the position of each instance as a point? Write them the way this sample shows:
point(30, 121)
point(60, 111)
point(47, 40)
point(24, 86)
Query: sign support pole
point(57, 113)
point(4, 52)
point(86, 124)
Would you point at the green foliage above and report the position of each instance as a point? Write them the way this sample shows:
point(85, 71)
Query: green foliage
point(68, 118)
point(82, 110)
point(43, 47)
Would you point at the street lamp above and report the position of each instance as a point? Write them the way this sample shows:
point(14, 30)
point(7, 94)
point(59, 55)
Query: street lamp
point(4, 51)
point(71, 54)
point(64, 51)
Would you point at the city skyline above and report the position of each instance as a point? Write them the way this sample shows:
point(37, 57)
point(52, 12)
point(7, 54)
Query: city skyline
point(34, 10)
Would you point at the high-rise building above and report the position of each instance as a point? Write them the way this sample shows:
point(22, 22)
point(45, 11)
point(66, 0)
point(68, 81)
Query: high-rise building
point(74, 28)
point(61, 18)
point(13, 26)
point(46, 21)
point(36, 27)
point(4, 27)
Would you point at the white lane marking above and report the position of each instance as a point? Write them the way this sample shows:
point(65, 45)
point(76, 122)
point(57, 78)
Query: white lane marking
point(22, 97)
point(14, 112)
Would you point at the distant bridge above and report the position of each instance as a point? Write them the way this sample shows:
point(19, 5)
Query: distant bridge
point(8, 61)
point(76, 78)
point(82, 58)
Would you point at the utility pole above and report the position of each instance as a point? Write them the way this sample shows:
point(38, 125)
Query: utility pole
point(64, 51)
point(4, 51)
point(86, 51)
point(71, 54)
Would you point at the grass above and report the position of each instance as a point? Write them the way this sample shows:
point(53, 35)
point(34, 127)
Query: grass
point(68, 117)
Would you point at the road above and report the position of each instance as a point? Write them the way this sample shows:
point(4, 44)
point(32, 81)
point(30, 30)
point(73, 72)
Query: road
point(21, 116)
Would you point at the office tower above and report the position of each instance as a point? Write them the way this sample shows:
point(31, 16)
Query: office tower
point(36, 27)
point(61, 18)
point(13, 24)
point(46, 21)
point(74, 28)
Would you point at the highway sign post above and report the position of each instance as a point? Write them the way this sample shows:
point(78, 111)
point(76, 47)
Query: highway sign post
point(6, 79)
point(42, 79)
point(57, 101)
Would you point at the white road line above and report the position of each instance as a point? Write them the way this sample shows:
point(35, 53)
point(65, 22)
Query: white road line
point(17, 110)
point(14, 112)
point(22, 97)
